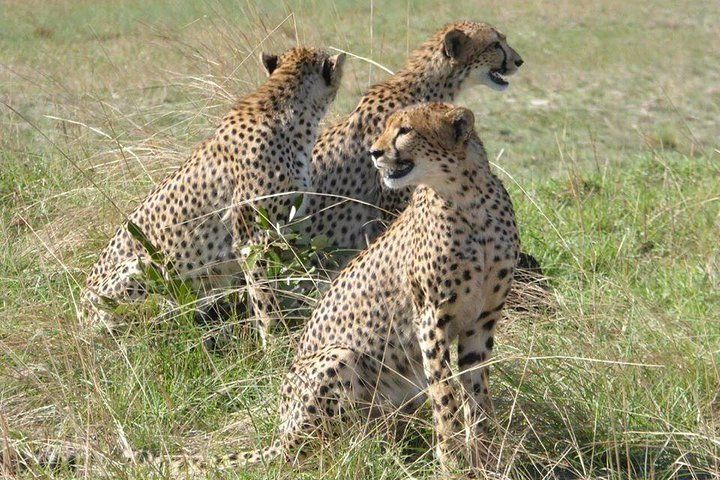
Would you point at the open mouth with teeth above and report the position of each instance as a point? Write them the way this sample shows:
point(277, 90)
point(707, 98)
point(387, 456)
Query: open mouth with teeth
point(495, 77)
point(400, 170)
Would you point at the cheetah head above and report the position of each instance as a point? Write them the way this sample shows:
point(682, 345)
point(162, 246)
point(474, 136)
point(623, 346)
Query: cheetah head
point(480, 54)
point(319, 72)
point(423, 145)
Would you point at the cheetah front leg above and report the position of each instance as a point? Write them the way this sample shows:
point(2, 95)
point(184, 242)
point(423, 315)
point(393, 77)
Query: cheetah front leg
point(475, 346)
point(435, 348)
point(247, 239)
point(262, 299)
point(120, 284)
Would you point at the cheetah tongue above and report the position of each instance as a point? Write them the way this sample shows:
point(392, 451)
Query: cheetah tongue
point(497, 78)
point(402, 169)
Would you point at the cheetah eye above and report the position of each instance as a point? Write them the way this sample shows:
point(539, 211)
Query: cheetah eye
point(404, 131)
point(497, 45)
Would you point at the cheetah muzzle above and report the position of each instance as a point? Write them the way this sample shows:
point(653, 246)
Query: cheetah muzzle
point(393, 170)
point(402, 169)
point(495, 77)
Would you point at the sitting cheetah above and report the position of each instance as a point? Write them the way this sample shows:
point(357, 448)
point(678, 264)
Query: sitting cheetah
point(380, 337)
point(202, 216)
point(459, 55)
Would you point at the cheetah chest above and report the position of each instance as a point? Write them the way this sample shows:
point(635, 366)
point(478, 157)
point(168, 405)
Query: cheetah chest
point(471, 277)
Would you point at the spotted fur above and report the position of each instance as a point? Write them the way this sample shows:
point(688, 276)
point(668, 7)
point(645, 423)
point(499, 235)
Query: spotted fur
point(202, 216)
point(380, 338)
point(459, 55)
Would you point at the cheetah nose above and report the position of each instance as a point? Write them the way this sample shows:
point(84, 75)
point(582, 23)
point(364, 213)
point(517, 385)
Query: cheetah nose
point(375, 154)
point(519, 62)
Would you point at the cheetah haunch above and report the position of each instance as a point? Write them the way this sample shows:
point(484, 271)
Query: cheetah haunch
point(203, 215)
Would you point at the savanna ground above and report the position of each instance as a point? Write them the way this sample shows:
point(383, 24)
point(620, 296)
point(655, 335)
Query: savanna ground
point(607, 139)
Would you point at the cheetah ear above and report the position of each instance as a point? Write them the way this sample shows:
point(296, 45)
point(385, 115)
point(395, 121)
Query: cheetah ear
point(332, 68)
point(454, 43)
point(462, 122)
point(270, 62)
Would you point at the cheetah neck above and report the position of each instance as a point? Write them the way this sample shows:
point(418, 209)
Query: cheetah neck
point(429, 80)
point(472, 185)
point(287, 103)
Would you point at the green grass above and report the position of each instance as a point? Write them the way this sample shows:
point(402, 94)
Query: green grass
point(607, 141)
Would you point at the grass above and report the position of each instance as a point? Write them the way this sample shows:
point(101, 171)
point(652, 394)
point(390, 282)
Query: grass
point(607, 140)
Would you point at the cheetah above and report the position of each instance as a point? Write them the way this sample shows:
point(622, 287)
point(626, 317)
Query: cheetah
point(379, 340)
point(459, 55)
point(202, 216)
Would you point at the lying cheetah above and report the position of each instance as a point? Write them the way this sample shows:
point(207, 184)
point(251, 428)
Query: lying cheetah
point(380, 338)
point(461, 54)
point(203, 215)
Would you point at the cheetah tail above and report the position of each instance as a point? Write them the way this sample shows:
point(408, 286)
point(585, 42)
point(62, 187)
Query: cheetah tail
point(254, 457)
point(53, 460)
point(194, 464)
